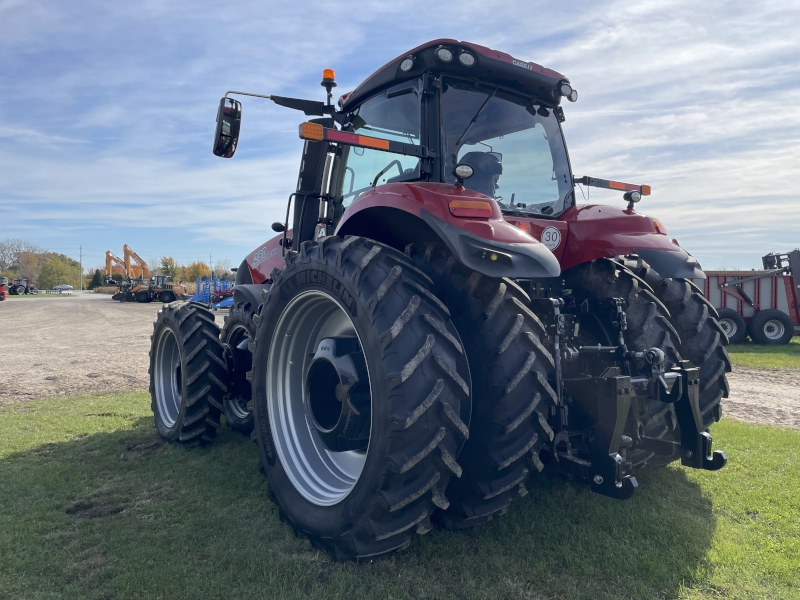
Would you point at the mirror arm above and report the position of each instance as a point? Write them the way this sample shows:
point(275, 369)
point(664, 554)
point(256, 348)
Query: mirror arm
point(309, 107)
point(248, 94)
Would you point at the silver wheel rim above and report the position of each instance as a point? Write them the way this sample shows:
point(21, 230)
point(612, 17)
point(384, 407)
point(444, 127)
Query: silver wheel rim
point(168, 377)
point(774, 329)
point(729, 326)
point(238, 405)
point(323, 477)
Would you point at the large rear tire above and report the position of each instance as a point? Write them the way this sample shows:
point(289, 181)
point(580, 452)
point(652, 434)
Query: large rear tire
point(512, 397)
point(358, 498)
point(702, 338)
point(187, 371)
point(649, 326)
point(239, 330)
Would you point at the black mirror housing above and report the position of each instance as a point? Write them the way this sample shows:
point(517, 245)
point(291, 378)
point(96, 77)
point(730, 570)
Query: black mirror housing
point(229, 121)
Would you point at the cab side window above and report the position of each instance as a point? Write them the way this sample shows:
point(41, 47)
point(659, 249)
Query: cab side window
point(392, 115)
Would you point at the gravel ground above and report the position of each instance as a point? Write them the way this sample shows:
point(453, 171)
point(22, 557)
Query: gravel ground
point(88, 343)
point(67, 346)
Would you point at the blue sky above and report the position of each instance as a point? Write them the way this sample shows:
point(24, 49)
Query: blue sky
point(107, 112)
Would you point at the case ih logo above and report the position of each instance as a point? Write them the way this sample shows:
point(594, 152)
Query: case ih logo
point(263, 255)
point(524, 65)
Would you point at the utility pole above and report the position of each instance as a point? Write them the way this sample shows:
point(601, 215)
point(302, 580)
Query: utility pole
point(81, 275)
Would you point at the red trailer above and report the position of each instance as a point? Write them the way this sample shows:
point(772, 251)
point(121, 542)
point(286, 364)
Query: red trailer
point(761, 303)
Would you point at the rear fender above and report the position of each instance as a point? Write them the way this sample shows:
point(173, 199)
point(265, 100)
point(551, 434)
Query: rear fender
point(608, 231)
point(398, 214)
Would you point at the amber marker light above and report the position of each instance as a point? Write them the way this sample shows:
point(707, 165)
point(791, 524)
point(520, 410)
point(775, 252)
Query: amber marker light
point(312, 131)
point(470, 209)
point(645, 190)
point(659, 227)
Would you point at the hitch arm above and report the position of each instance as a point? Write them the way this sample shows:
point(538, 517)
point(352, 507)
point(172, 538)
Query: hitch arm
point(696, 442)
point(608, 399)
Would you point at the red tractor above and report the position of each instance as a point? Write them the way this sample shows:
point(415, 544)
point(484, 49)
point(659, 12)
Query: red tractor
point(437, 320)
point(20, 287)
point(3, 288)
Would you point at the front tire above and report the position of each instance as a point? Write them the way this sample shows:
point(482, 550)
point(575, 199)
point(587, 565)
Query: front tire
point(187, 372)
point(239, 330)
point(366, 490)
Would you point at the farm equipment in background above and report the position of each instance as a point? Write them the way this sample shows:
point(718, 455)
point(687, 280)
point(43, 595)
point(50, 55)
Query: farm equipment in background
point(438, 319)
point(114, 265)
point(159, 288)
point(135, 266)
point(762, 303)
point(20, 287)
point(3, 288)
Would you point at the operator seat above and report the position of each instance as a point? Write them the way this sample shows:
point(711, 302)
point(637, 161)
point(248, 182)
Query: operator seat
point(487, 169)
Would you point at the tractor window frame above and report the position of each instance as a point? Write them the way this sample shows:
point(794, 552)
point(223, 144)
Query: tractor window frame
point(339, 190)
point(444, 171)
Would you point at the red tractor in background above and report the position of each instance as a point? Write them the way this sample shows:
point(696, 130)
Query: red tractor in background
point(437, 320)
point(3, 288)
point(20, 287)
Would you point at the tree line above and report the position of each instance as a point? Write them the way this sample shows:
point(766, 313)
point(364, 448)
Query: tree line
point(22, 260)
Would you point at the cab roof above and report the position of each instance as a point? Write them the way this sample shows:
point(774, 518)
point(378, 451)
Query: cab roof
point(490, 66)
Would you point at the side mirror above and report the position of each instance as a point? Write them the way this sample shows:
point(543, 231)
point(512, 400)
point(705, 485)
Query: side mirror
point(229, 120)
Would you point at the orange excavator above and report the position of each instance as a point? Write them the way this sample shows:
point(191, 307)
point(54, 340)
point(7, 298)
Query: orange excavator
point(114, 265)
point(138, 284)
point(137, 269)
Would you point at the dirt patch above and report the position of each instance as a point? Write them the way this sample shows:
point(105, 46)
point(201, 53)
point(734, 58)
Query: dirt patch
point(766, 396)
point(89, 343)
point(68, 346)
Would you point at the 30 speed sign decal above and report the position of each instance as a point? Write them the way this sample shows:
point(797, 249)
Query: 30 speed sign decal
point(551, 238)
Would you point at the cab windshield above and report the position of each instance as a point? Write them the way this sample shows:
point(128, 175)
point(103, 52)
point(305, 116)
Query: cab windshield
point(516, 150)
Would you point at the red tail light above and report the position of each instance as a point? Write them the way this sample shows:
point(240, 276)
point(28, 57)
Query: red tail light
point(470, 209)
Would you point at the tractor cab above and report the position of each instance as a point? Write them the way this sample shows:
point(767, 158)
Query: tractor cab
point(507, 132)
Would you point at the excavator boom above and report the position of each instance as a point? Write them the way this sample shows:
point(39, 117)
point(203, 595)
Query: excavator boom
point(140, 269)
point(114, 262)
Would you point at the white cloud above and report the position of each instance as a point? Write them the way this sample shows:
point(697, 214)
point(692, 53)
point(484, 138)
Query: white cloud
point(110, 107)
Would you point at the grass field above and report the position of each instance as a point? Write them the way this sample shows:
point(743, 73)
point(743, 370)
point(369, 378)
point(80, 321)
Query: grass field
point(94, 505)
point(749, 354)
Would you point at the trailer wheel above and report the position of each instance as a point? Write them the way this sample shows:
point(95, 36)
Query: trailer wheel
point(187, 371)
point(771, 327)
point(703, 339)
point(361, 397)
point(733, 325)
point(648, 327)
point(237, 333)
point(512, 397)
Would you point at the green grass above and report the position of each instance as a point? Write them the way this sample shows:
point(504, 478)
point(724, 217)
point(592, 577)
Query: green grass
point(94, 505)
point(766, 357)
